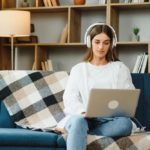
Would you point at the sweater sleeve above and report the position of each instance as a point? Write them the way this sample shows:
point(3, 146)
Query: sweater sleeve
point(72, 97)
point(124, 79)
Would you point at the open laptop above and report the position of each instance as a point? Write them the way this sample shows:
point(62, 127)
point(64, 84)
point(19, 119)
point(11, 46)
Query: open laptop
point(112, 102)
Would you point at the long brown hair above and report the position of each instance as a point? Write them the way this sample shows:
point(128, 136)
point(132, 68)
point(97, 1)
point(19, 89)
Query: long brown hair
point(112, 54)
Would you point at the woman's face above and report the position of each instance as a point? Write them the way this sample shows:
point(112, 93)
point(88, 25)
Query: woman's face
point(100, 45)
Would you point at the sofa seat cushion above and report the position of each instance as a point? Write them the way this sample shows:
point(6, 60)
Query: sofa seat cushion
point(24, 137)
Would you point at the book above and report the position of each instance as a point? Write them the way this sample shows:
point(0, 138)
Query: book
point(137, 63)
point(46, 65)
point(33, 66)
point(143, 69)
point(45, 3)
point(43, 66)
point(50, 66)
point(64, 34)
point(36, 3)
point(58, 2)
point(49, 3)
point(141, 63)
point(54, 2)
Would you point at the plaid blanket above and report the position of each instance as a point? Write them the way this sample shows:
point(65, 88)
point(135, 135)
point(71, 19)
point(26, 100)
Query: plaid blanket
point(139, 141)
point(34, 100)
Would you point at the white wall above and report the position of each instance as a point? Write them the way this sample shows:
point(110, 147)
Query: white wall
point(49, 26)
point(131, 18)
point(65, 58)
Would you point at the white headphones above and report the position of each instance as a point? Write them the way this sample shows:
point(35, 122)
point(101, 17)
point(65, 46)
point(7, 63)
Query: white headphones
point(87, 38)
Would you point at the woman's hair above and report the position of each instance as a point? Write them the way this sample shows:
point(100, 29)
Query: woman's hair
point(111, 55)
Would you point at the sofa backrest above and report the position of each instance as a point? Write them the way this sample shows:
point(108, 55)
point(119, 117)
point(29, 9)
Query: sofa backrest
point(142, 81)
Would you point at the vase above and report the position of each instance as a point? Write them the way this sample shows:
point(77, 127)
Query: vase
point(25, 4)
point(135, 38)
point(79, 2)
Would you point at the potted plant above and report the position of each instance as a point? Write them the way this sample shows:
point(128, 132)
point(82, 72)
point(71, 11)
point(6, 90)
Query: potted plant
point(25, 3)
point(136, 36)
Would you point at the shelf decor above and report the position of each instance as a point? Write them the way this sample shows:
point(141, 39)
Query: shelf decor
point(25, 3)
point(19, 26)
point(79, 2)
point(136, 36)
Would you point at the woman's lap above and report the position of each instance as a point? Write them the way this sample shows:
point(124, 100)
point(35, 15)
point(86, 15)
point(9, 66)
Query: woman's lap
point(113, 127)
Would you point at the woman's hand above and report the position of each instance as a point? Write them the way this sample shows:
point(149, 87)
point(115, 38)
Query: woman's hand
point(61, 130)
point(83, 114)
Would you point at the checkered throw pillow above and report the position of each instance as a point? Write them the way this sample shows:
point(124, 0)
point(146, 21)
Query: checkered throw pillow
point(33, 98)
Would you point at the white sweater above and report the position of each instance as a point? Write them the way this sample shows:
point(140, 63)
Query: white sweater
point(85, 76)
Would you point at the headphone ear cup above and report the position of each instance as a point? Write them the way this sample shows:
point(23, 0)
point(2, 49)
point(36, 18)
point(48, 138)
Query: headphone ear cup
point(114, 43)
point(88, 41)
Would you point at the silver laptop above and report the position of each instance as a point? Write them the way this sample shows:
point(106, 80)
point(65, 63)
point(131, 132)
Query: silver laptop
point(112, 102)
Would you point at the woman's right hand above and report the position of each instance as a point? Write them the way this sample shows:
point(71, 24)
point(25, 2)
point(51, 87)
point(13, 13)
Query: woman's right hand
point(83, 114)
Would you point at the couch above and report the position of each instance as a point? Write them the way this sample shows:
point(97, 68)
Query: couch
point(16, 138)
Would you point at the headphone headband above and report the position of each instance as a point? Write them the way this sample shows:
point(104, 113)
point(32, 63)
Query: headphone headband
point(87, 38)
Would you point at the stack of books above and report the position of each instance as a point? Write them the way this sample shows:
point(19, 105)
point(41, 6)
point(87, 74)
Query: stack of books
point(47, 65)
point(50, 3)
point(141, 63)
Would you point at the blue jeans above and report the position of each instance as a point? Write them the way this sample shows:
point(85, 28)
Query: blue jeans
point(78, 127)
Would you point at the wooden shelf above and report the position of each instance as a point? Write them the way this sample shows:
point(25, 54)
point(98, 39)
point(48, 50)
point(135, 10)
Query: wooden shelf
point(131, 6)
point(132, 43)
point(42, 9)
point(62, 45)
point(78, 19)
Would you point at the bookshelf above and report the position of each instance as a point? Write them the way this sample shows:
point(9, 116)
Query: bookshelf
point(52, 21)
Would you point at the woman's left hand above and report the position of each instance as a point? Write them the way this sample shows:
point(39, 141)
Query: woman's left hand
point(83, 114)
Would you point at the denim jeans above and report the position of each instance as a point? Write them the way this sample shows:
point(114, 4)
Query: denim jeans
point(78, 127)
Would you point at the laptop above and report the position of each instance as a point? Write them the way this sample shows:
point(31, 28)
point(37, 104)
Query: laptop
point(112, 102)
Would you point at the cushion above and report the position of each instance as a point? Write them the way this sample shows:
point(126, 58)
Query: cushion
point(28, 138)
point(33, 98)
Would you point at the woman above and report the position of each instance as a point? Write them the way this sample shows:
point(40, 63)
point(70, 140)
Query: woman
point(100, 69)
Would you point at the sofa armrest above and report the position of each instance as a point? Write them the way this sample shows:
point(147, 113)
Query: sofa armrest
point(5, 119)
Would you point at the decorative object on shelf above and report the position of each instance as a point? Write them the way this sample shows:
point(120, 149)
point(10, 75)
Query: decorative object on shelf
point(136, 36)
point(64, 35)
point(14, 24)
point(28, 39)
point(79, 2)
point(25, 3)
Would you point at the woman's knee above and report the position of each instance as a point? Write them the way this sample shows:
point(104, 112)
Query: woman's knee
point(120, 126)
point(77, 122)
point(125, 125)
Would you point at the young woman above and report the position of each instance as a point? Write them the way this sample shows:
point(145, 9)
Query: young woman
point(100, 69)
